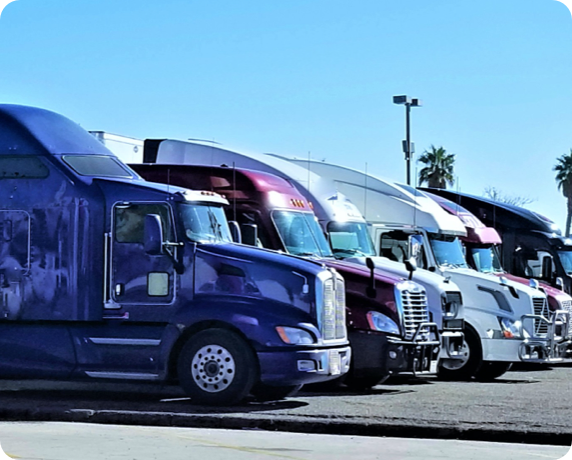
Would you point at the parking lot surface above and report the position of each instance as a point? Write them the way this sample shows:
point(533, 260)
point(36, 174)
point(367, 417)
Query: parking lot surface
point(529, 405)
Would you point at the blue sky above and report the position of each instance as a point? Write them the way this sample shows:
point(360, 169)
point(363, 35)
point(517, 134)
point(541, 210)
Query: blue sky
point(313, 77)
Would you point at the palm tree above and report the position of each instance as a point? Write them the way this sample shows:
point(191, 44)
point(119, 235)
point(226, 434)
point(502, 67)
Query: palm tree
point(564, 178)
point(439, 167)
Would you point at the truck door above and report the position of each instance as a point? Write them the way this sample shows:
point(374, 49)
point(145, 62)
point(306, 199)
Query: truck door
point(140, 280)
point(140, 294)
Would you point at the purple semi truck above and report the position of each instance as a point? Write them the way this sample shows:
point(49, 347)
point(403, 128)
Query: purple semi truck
point(106, 276)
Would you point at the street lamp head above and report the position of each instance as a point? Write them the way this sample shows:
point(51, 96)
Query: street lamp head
point(401, 100)
point(411, 101)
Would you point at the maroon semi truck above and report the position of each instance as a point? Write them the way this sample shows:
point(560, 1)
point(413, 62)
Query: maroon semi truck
point(388, 320)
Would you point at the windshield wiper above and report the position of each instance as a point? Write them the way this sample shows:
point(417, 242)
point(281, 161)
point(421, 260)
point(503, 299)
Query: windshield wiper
point(351, 251)
point(450, 265)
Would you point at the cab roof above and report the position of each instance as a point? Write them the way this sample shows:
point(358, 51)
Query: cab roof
point(497, 213)
point(34, 131)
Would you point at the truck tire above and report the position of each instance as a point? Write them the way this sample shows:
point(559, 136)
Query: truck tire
point(263, 392)
point(466, 369)
point(217, 367)
point(490, 370)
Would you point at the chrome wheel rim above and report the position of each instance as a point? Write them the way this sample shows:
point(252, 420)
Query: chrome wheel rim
point(213, 368)
point(456, 364)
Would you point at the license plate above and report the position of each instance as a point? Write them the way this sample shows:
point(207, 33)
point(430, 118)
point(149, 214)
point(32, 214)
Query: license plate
point(335, 363)
point(433, 367)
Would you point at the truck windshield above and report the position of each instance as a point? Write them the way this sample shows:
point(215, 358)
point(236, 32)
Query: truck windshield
point(566, 260)
point(448, 251)
point(350, 239)
point(301, 234)
point(204, 224)
point(486, 259)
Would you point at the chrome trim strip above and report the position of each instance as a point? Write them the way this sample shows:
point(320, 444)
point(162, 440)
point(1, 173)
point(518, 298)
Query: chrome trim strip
point(122, 375)
point(119, 341)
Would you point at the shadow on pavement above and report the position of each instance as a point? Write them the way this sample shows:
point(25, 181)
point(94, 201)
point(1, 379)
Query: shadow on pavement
point(66, 396)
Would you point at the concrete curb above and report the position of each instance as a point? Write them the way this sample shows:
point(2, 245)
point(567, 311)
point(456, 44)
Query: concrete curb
point(316, 425)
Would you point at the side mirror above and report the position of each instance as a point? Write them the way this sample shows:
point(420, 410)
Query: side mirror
point(411, 266)
point(153, 235)
point(371, 291)
point(249, 234)
point(547, 268)
point(235, 231)
point(560, 283)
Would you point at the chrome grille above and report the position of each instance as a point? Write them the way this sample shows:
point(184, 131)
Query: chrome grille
point(540, 308)
point(333, 318)
point(329, 320)
point(415, 311)
point(340, 309)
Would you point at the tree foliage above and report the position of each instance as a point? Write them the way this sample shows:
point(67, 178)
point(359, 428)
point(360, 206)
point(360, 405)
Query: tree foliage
point(497, 195)
point(563, 170)
point(439, 167)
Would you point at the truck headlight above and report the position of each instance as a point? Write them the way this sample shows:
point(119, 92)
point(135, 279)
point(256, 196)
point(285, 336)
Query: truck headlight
point(379, 322)
point(295, 336)
point(449, 309)
point(510, 329)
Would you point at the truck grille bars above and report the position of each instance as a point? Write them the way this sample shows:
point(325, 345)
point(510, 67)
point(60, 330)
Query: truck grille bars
point(540, 309)
point(415, 312)
point(333, 308)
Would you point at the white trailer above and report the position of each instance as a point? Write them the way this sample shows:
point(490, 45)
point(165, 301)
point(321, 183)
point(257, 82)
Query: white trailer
point(128, 149)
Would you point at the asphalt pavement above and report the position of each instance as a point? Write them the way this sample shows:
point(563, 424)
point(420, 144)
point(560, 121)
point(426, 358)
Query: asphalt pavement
point(524, 406)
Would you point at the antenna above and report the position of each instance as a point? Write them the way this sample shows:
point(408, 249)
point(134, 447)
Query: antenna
point(309, 166)
point(458, 196)
point(233, 191)
point(365, 194)
point(168, 180)
point(417, 194)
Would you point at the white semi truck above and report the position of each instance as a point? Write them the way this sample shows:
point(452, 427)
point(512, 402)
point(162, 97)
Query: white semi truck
point(500, 315)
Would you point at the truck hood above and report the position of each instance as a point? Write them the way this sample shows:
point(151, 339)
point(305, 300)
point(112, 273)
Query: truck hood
point(233, 269)
point(485, 292)
point(436, 286)
point(557, 299)
point(254, 255)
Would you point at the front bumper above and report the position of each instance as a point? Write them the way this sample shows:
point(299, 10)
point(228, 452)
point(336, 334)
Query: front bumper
point(416, 356)
point(376, 355)
point(299, 367)
point(552, 347)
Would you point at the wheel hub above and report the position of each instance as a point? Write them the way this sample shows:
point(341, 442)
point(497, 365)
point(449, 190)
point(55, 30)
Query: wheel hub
point(213, 368)
point(456, 364)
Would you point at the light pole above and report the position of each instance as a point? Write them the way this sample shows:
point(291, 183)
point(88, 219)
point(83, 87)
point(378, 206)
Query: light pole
point(408, 146)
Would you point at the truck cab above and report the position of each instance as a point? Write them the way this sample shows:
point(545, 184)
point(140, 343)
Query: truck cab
point(106, 276)
point(389, 326)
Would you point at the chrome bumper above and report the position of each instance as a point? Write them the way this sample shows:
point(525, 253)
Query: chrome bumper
point(551, 347)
